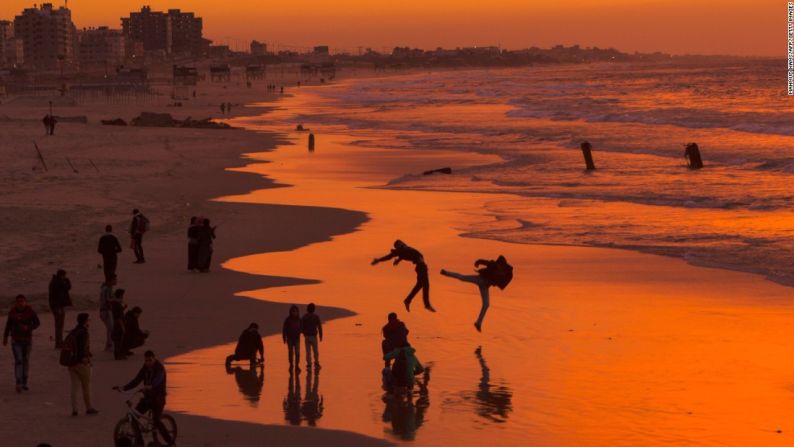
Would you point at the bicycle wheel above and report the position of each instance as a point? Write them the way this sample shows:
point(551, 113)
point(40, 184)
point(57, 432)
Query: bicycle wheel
point(123, 429)
point(170, 426)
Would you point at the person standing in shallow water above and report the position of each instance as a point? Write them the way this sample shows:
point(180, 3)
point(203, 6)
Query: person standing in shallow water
point(59, 301)
point(22, 321)
point(495, 273)
point(402, 252)
point(291, 334)
point(312, 327)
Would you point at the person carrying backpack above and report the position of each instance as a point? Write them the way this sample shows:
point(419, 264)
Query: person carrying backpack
point(138, 226)
point(59, 300)
point(494, 273)
point(76, 355)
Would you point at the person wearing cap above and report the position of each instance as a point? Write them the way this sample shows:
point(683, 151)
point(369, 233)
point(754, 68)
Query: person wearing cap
point(248, 345)
point(80, 373)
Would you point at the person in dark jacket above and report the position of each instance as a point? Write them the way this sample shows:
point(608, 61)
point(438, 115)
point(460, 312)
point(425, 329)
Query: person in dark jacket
point(80, 373)
point(137, 228)
point(205, 235)
point(133, 335)
point(402, 252)
point(192, 244)
point(153, 377)
point(248, 345)
point(22, 321)
point(291, 333)
point(311, 327)
point(59, 301)
point(106, 310)
point(109, 248)
point(117, 307)
point(395, 336)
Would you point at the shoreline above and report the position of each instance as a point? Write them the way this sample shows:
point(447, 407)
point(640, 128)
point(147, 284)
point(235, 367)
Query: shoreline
point(181, 309)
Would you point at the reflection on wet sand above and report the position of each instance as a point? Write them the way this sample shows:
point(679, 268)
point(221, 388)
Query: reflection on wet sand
point(406, 411)
point(311, 407)
point(250, 381)
point(494, 402)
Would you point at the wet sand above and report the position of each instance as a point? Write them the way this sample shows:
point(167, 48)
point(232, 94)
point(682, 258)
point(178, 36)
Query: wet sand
point(56, 218)
point(586, 347)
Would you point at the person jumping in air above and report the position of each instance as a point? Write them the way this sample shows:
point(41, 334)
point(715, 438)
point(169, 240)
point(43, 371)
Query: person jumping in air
point(402, 252)
point(494, 273)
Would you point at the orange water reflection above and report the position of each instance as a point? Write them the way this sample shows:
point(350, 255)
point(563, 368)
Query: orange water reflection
point(586, 347)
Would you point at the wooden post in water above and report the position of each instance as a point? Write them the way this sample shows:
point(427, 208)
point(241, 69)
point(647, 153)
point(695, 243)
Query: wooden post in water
point(692, 154)
point(588, 155)
point(311, 142)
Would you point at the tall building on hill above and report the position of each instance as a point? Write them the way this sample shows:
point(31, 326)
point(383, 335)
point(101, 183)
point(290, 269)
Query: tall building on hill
point(101, 49)
point(48, 37)
point(172, 32)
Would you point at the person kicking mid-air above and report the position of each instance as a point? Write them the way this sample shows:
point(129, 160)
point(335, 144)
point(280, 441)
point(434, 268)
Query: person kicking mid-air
point(494, 273)
point(402, 252)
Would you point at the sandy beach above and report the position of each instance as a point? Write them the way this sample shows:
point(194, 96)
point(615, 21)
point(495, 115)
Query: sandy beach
point(57, 216)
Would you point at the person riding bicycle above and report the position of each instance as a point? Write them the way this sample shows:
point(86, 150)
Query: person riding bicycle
point(153, 377)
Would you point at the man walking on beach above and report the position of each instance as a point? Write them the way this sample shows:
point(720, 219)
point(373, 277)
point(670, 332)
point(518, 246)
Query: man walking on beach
point(79, 363)
point(248, 345)
point(311, 326)
point(153, 376)
point(138, 226)
point(106, 309)
point(59, 301)
point(22, 321)
point(291, 333)
point(109, 248)
point(402, 252)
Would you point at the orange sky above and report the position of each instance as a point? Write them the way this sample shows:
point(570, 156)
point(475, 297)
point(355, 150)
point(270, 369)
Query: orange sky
point(747, 27)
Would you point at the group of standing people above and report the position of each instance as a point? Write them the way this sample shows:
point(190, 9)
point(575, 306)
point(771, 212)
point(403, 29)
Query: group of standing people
point(200, 240)
point(226, 107)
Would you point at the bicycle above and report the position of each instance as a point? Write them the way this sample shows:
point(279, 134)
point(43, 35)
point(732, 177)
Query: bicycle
point(124, 427)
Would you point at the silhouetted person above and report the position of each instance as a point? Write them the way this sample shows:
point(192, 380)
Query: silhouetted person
point(206, 236)
point(117, 307)
point(495, 273)
point(395, 335)
point(49, 122)
point(311, 327)
point(106, 310)
point(587, 151)
point(223, 108)
point(313, 404)
point(80, 371)
point(402, 252)
point(192, 244)
point(311, 142)
point(134, 336)
point(692, 154)
point(109, 248)
point(291, 334)
point(405, 415)
point(292, 401)
point(229, 107)
point(22, 321)
point(138, 226)
point(59, 300)
point(494, 402)
point(153, 377)
point(248, 345)
point(250, 381)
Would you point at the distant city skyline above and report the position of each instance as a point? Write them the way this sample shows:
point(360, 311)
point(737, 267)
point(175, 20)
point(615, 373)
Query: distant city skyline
point(739, 27)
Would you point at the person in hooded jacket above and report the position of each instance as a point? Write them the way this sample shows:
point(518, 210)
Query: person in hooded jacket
point(291, 334)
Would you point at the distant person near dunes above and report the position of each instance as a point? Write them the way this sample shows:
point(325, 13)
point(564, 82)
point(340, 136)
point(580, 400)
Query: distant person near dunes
point(138, 226)
point(109, 248)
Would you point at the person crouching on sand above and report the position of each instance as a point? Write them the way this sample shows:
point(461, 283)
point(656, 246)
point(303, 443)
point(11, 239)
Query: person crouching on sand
point(248, 345)
point(495, 273)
